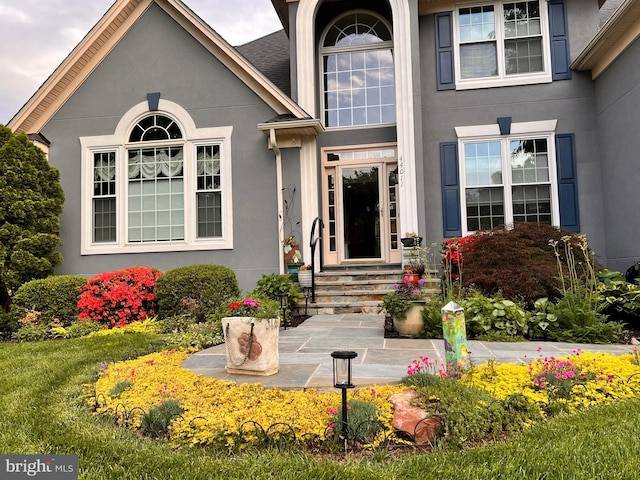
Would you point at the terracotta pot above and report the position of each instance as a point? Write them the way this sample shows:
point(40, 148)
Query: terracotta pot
point(413, 322)
point(252, 345)
point(411, 278)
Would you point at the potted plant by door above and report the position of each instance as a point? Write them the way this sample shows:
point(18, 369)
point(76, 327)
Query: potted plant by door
point(405, 305)
point(304, 275)
point(251, 334)
point(411, 239)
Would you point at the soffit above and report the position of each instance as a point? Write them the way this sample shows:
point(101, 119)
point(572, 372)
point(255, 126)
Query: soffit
point(104, 36)
point(620, 31)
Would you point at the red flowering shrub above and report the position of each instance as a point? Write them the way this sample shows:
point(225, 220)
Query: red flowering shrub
point(120, 297)
point(453, 250)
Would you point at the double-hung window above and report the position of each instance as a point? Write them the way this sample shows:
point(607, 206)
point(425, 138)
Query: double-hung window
point(508, 179)
point(158, 184)
point(502, 43)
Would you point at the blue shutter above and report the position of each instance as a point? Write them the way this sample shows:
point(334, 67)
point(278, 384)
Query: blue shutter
point(444, 51)
point(559, 34)
point(450, 189)
point(567, 182)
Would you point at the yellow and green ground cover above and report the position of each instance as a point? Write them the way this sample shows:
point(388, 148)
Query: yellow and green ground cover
point(217, 412)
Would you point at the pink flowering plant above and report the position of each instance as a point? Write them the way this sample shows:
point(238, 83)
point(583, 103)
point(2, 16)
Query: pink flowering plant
point(397, 302)
point(557, 376)
point(251, 307)
point(120, 297)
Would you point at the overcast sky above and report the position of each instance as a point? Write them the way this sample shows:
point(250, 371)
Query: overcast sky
point(37, 35)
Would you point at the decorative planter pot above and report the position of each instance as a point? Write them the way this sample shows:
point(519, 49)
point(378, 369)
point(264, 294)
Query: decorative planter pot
point(411, 241)
point(252, 345)
point(292, 268)
point(411, 278)
point(413, 322)
point(304, 278)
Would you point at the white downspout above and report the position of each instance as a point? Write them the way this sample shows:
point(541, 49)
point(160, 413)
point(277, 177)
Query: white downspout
point(273, 145)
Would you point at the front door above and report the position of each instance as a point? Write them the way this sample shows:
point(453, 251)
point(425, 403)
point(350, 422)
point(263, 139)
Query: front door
point(361, 204)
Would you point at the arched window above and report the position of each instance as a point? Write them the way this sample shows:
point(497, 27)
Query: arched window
point(358, 75)
point(158, 184)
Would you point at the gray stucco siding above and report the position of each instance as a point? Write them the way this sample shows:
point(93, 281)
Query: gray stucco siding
point(570, 102)
point(617, 106)
point(157, 55)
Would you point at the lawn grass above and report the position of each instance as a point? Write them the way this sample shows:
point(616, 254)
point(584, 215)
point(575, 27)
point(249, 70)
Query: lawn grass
point(42, 410)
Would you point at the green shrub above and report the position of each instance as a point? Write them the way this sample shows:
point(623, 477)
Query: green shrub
point(157, 420)
point(579, 322)
point(619, 300)
point(493, 317)
point(80, 328)
point(118, 388)
point(470, 415)
point(363, 423)
point(197, 290)
point(32, 332)
point(55, 297)
point(8, 325)
point(197, 335)
point(271, 286)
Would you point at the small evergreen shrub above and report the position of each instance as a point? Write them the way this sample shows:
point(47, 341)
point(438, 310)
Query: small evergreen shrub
point(157, 420)
point(363, 423)
point(119, 297)
point(55, 297)
point(196, 290)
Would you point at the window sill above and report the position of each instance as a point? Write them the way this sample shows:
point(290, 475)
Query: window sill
point(110, 249)
point(502, 82)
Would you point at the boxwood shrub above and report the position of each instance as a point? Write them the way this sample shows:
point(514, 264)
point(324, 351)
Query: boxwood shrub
point(196, 290)
point(55, 297)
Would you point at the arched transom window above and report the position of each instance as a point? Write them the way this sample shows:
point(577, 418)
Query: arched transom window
point(357, 68)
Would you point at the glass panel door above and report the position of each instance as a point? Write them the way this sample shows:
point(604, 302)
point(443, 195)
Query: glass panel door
point(361, 213)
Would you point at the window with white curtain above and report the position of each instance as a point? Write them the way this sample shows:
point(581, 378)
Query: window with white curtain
point(159, 189)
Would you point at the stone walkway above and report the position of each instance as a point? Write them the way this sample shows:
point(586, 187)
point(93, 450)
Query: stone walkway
point(305, 353)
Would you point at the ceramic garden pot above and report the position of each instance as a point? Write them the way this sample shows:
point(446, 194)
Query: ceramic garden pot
point(304, 278)
point(413, 322)
point(252, 345)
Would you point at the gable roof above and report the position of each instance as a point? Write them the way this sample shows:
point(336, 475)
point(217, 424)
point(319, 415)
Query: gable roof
point(103, 37)
point(619, 32)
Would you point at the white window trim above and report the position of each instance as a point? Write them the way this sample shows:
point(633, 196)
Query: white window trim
point(118, 142)
point(324, 51)
point(519, 131)
point(503, 80)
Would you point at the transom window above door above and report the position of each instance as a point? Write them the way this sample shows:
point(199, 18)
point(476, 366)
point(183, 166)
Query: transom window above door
point(358, 73)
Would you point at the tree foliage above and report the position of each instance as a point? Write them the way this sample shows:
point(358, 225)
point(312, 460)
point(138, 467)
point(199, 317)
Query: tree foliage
point(31, 200)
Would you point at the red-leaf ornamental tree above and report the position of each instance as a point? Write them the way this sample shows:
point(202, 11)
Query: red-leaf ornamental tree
point(31, 200)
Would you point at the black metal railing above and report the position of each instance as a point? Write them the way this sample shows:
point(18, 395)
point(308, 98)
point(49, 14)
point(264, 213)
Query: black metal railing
point(314, 240)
